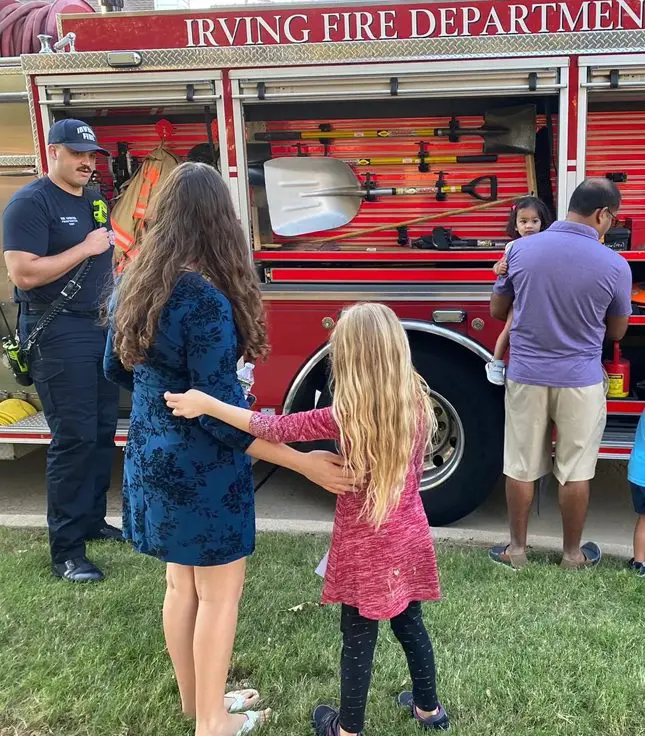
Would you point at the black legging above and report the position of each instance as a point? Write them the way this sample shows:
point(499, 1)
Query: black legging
point(359, 641)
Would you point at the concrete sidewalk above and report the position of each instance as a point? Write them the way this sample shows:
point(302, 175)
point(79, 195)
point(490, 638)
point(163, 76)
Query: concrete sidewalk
point(287, 502)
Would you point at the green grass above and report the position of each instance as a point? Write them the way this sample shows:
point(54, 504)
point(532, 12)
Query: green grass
point(535, 653)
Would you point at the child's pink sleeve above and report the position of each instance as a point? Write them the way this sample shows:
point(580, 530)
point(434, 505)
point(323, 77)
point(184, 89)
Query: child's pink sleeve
point(305, 426)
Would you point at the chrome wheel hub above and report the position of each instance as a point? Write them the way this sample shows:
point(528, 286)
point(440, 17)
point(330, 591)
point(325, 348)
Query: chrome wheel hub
point(447, 445)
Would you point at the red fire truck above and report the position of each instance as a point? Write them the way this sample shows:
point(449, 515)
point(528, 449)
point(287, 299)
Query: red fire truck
point(434, 102)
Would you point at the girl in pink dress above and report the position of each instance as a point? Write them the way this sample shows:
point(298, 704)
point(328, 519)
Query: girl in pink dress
point(381, 558)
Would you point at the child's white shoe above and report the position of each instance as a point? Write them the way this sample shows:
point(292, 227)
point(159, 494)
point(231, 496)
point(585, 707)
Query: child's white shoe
point(495, 372)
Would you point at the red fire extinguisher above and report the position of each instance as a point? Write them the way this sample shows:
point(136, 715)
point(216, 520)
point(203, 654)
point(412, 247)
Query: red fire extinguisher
point(618, 372)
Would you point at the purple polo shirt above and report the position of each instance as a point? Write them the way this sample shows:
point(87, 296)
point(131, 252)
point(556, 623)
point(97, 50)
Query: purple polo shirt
point(564, 283)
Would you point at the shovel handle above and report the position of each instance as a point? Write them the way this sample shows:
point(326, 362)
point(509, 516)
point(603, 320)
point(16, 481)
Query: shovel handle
point(471, 188)
point(279, 135)
point(480, 158)
point(461, 132)
point(416, 220)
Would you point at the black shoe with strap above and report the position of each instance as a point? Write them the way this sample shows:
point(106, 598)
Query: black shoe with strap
point(77, 570)
point(326, 721)
point(107, 533)
point(437, 722)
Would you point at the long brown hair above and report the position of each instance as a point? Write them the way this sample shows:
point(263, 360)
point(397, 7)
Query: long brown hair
point(194, 228)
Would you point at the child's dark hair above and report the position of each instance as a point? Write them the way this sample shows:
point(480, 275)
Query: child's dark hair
point(524, 203)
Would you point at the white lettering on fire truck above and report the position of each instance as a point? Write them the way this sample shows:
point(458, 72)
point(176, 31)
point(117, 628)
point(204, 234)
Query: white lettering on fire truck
point(467, 20)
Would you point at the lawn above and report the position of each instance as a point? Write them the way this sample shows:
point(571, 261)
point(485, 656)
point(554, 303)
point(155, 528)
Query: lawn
point(538, 652)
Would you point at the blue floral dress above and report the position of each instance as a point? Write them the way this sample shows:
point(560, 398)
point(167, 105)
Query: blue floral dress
point(188, 493)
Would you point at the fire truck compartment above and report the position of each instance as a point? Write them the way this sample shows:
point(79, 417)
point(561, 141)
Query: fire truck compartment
point(370, 114)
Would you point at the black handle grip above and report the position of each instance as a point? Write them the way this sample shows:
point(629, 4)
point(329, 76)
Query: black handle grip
point(471, 188)
point(481, 158)
point(493, 188)
point(279, 135)
point(441, 238)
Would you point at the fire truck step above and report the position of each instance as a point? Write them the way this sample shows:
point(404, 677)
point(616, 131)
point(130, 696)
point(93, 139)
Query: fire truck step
point(617, 440)
point(35, 430)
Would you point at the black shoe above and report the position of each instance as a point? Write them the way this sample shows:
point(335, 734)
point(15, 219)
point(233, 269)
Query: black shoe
point(77, 570)
point(438, 722)
point(326, 721)
point(107, 533)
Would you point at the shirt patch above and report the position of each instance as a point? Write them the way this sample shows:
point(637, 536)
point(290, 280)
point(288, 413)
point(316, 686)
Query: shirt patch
point(71, 220)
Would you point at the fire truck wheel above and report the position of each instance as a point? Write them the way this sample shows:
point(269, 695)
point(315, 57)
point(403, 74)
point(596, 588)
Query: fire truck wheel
point(466, 458)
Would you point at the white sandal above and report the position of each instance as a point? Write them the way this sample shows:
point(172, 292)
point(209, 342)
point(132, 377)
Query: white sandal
point(242, 700)
point(254, 719)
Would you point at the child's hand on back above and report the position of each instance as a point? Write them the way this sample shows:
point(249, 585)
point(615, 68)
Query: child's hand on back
point(189, 404)
point(501, 267)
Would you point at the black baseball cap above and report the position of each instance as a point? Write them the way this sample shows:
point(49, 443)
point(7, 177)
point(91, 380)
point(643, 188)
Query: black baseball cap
point(75, 135)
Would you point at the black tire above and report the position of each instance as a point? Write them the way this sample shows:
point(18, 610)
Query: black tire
point(457, 375)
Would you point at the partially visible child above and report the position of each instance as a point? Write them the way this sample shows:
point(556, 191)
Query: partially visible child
point(528, 215)
point(636, 477)
point(381, 561)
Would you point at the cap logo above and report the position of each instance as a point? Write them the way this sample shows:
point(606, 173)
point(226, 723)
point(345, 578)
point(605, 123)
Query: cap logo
point(86, 132)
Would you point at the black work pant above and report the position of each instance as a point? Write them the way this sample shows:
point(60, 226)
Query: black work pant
point(81, 407)
point(359, 641)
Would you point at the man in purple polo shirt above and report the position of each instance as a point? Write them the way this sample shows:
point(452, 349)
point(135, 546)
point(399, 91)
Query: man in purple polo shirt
point(569, 292)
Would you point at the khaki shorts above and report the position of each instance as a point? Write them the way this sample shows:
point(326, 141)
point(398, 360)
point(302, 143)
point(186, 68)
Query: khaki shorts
point(579, 415)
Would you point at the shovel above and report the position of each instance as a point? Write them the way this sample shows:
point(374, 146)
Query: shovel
point(307, 195)
point(520, 132)
point(505, 130)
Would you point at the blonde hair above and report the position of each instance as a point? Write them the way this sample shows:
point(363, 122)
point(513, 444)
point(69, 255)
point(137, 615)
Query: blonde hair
point(379, 400)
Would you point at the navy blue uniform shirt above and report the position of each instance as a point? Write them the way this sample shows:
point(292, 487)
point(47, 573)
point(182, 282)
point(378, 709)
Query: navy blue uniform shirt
point(43, 219)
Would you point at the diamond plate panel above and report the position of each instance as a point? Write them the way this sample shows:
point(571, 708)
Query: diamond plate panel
point(35, 423)
point(34, 128)
point(17, 161)
point(357, 51)
point(13, 70)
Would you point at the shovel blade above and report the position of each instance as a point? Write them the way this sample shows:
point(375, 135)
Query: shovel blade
point(296, 206)
point(519, 124)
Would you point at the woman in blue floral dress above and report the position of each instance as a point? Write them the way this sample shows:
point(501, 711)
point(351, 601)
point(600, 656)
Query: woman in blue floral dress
point(185, 311)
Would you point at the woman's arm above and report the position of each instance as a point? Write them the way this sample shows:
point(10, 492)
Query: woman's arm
point(323, 468)
point(113, 369)
point(305, 426)
point(210, 341)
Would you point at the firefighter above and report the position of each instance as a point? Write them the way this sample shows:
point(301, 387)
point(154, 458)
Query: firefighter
point(51, 226)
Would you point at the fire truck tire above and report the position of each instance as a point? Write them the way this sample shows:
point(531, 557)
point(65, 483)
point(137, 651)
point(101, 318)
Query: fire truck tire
point(466, 461)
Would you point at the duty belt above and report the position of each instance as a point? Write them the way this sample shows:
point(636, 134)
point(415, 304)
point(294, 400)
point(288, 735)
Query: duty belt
point(40, 309)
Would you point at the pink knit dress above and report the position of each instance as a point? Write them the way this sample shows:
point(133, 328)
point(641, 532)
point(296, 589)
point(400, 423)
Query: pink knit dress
point(379, 572)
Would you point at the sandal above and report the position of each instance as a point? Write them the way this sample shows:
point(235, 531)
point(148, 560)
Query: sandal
point(637, 567)
point(242, 700)
point(592, 553)
point(438, 722)
point(253, 720)
point(326, 721)
point(502, 556)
